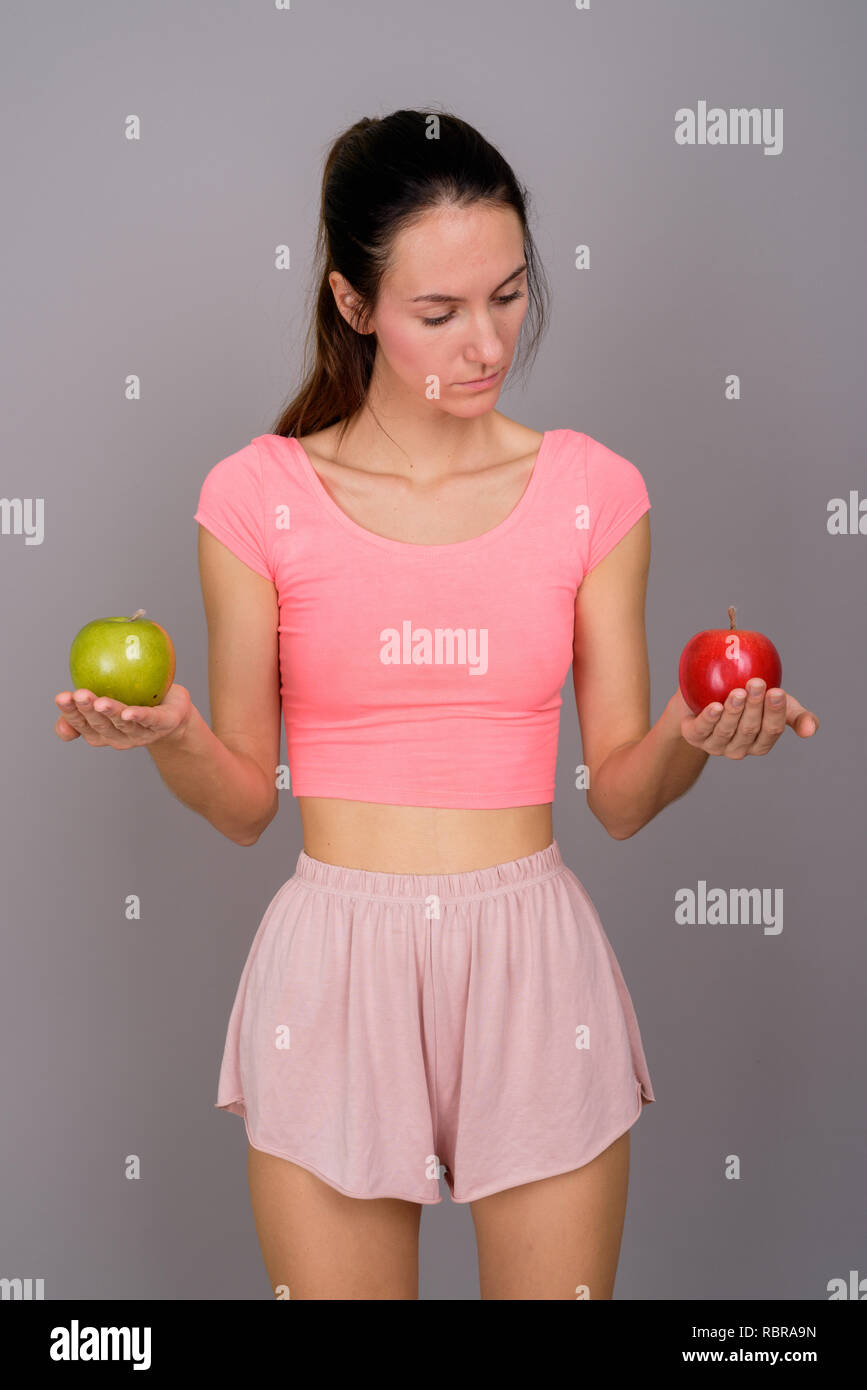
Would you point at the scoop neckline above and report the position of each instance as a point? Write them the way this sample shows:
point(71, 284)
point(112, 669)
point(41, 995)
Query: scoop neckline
point(388, 542)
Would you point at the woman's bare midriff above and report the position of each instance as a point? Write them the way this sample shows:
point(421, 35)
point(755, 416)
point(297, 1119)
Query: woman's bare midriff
point(424, 839)
point(420, 839)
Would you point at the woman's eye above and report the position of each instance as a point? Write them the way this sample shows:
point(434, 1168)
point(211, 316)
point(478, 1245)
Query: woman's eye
point(501, 299)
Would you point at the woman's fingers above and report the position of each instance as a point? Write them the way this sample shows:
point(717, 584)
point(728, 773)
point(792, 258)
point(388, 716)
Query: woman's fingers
point(89, 715)
point(122, 719)
point(102, 721)
point(701, 726)
point(751, 721)
point(773, 722)
point(65, 730)
point(752, 710)
point(762, 720)
point(725, 727)
point(70, 711)
point(92, 709)
point(142, 718)
point(803, 721)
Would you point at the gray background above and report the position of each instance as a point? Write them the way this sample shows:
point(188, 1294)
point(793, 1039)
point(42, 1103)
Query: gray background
point(156, 257)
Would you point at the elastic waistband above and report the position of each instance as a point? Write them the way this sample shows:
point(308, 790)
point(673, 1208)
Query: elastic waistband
point(370, 883)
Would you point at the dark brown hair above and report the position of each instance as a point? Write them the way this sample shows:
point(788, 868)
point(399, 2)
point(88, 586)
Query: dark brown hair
point(380, 175)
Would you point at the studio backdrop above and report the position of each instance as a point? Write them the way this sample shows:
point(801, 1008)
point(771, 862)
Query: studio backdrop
point(695, 173)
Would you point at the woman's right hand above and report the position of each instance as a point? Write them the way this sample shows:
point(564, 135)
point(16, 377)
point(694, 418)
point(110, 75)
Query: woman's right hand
point(106, 723)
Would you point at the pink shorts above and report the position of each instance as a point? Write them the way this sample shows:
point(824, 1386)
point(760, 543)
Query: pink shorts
point(390, 1029)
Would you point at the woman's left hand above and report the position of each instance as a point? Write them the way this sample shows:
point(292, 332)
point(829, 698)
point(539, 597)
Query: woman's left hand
point(735, 730)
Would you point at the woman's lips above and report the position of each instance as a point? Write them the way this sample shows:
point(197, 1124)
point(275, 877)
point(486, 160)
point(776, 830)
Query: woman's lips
point(482, 383)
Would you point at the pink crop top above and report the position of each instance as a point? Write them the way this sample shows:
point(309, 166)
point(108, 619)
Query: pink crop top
point(423, 675)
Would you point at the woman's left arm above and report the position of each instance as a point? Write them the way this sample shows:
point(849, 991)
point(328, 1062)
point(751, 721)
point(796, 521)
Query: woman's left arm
point(635, 769)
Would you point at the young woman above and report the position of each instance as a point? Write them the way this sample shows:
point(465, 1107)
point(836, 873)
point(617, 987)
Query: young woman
point(411, 574)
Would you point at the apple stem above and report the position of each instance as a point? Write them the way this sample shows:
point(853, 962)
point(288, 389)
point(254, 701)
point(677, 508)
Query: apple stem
point(732, 612)
point(140, 612)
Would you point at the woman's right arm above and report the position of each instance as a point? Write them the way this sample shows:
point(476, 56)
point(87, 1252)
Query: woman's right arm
point(227, 772)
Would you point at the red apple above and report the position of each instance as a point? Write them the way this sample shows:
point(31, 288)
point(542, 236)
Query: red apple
point(720, 660)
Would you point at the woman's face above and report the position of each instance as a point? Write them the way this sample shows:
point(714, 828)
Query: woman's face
point(450, 308)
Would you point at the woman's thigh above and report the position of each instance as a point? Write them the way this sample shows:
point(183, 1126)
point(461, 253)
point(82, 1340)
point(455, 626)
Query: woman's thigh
point(319, 1244)
point(557, 1238)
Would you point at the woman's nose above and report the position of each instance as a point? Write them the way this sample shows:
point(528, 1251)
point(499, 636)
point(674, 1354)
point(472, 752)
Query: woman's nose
point(484, 346)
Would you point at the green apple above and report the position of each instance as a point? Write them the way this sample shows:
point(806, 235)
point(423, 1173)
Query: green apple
point(125, 658)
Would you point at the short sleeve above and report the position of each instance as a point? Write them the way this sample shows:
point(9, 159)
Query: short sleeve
point(231, 506)
point(616, 498)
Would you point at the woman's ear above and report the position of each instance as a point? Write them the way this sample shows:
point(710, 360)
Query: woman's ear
point(348, 302)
